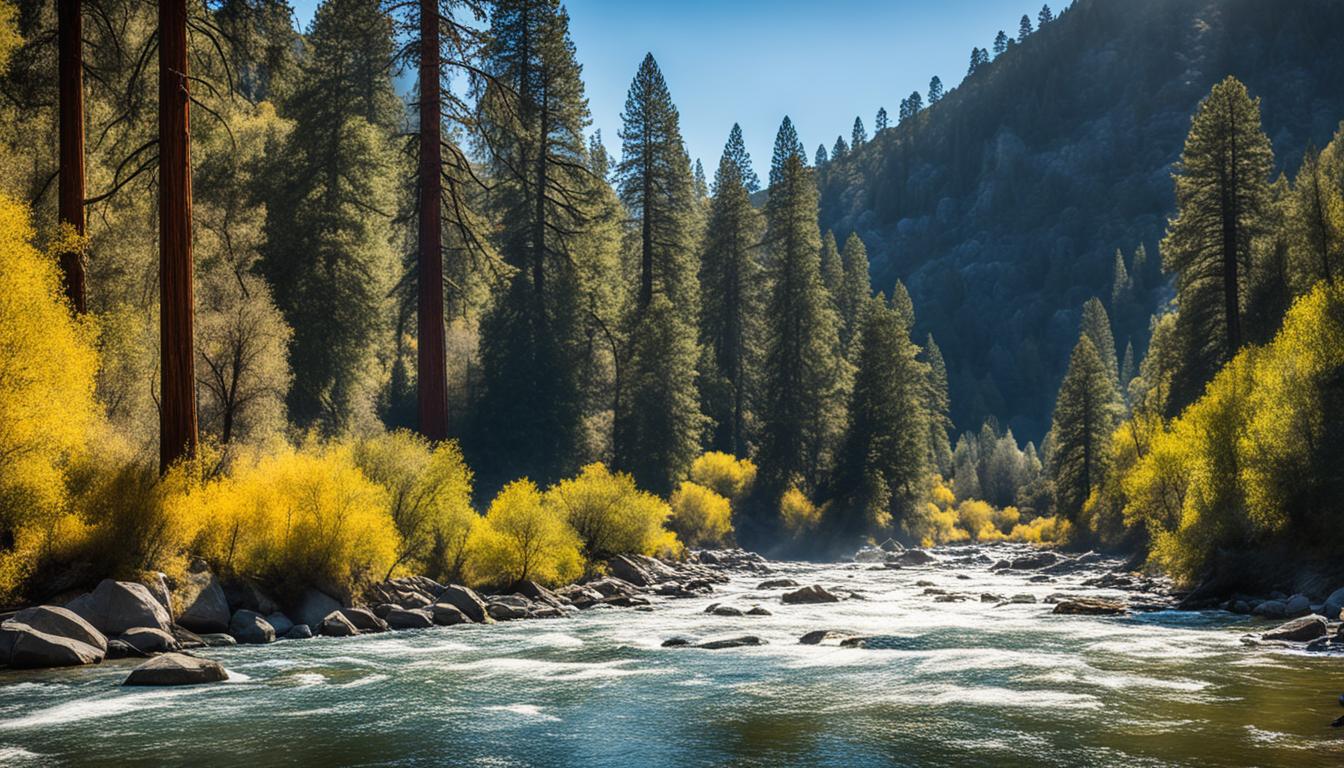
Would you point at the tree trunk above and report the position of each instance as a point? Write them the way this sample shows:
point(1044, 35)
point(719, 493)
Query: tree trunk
point(431, 356)
point(177, 406)
point(71, 87)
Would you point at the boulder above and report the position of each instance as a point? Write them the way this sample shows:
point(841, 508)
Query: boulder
point(245, 595)
point(337, 625)
point(1035, 560)
point(120, 649)
point(731, 642)
point(811, 594)
point(500, 611)
point(1019, 600)
point(176, 669)
point(539, 594)
point(251, 628)
point(116, 606)
point(628, 569)
point(314, 607)
point(1090, 606)
point(990, 597)
point(299, 632)
point(147, 640)
point(725, 610)
point(820, 636)
point(891, 545)
point(1334, 604)
point(1300, 630)
point(580, 595)
point(777, 584)
point(611, 587)
point(364, 620)
point(1271, 609)
point(186, 638)
point(62, 622)
point(204, 607)
point(870, 555)
point(409, 618)
point(680, 641)
point(911, 557)
point(627, 601)
point(546, 612)
point(280, 623)
point(465, 600)
point(757, 610)
point(218, 640)
point(446, 615)
point(23, 646)
point(1297, 605)
point(382, 609)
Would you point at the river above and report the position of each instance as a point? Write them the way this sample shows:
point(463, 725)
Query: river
point(956, 684)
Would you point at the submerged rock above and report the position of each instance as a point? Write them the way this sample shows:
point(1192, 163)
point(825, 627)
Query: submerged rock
point(821, 636)
point(740, 641)
point(217, 640)
point(912, 557)
point(757, 610)
point(1298, 630)
point(724, 610)
point(809, 595)
point(679, 641)
point(176, 669)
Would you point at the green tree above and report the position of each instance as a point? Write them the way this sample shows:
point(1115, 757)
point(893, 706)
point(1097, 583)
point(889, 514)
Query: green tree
point(736, 150)
point(935, 90)
point(1120, 282)
point(859, 135)
point(820, 158)
point(1001, 42)
point(1317, 212)
point(1024, 28)
point(1222, 189)
point(938, 405)
point(840, 149)
point(732, 296)
point(1045, 16)
point(832, 270)
point(1096, 326)
point(852, 295)
point(880, 123)
point(1084, 418)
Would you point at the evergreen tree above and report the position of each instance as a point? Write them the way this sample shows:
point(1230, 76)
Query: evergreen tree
point(832, 270)
point(1000, 43)
point(732, 295)
point(852, 295)
point(1317, 213)
point(530, 408)
point(599, 160)
point(1024, 28)
point(1096, 326)
point(1045, 16)
point(700, 183)
point(1127, 369)
point(263, 48)
point(938, 406)
point(935, 90)
point(737, 152)
point(858, 136)
point(880, 122)
point(658, 426)
point(803, 375)
point(1085, 415)
point(1120, 282)
point(329, 224)
point(820, 158)
point(903, 112)
point(979, 58)
point(916, 103)
point(884, 461)
point(1222, 190)
point(840, 149)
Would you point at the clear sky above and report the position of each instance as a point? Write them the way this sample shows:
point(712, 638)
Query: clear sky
point(754, 61)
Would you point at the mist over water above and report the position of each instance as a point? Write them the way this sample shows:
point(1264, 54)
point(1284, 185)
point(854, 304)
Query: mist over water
point(954, 683)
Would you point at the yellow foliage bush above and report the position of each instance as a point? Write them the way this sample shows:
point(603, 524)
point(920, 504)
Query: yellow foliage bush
point(941, 494)
point(797, 513)
point(298, 518)
point(974, 517)
point(522, 538)
point(724, 474)
point(701, 517)
point(1042, 530)
point(429, 499)
point(610, 514)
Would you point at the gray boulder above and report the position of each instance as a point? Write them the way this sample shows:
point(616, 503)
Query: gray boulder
point(299, 632)
point(1090, 606)
point(446, 615)
point(116, 606)
point(539, 594)
point(120, 649)
point(812, 594)
point(1300, 630)
point(579, 595)
point(911, 557)
point(1334, 604)
point(757, 610)
point(313, 608)
point(777, 584)
point(680, 641)
point(148, 640)
point(204, 607)
point(731, 642)
point(1297, 605)
point(280, 623)
point(409, 618)
point(218, 640)
point(822, 636)
point(465, 600)
point(502, 611)
point(25, 647)
point(337, 625)
point(62, 622)
point(1271, 609)
point(724, 610)
point(186, 638)
point(176, 669)
point(364, 620)
point(251, 628)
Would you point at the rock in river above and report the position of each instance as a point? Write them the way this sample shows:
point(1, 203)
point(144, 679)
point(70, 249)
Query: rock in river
point(251, 628)
point(337, 625)
point(467, 601)
point(1298, 630)
point(409, 618)
point(23, 646)
point(731, 642)
point(811, 594)
point(116, 606)
point(777, 584)
point(177, 669)
point(204, 607)
point(147, 640)
point(1090, 606)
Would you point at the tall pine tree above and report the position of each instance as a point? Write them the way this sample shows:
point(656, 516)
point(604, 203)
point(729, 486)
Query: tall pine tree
point(1085, 415)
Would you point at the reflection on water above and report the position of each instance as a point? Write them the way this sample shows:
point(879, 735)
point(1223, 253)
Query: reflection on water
point(954, 683)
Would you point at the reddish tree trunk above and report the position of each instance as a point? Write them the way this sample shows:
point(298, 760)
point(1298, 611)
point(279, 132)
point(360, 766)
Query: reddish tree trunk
point(431, 355)
point(71, 88)
point(177, 405)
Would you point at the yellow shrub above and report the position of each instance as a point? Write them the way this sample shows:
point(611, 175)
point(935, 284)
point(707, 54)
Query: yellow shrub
point(934, 525)
point(941, 494)
point(797, 513)
point(724, 474)
point(429, 499)
point(974, 516)
point(609, 513)
point(300, 518)
point(521, 538)
point(701, 517)
point(1042, 530)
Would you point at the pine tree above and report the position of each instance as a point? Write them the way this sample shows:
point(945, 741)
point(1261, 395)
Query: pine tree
point(884, 461)
point(832, 270)
point(916, 103)
point(328, 253)
point(1120, 282)
point(852, 295)
point(880, 122)
point(1045, 16)
point(938, 405)
point(263, 47)
point(820, 158)
point(1024, 28)
point(803, 375)
point(1096, 326)
point(935, 90)
point(1085, 415)
point(1127, 367)
point(732, 295)
point(737, 152)
point(1222, 190)
point(529, 415)
point(979, 58)
point(787, 145)
point(700, 183)
point(1317, 212)
point(858, 136)
point(840, 149)
point(1000, 43)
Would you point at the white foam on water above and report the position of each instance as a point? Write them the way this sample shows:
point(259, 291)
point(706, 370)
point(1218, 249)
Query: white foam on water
point(552, 670)
point(556, 640)
point(363, 681)
point(529, 711)
point(17, 755)
point(308, 679)
point(94, 709)
point(1120, 682)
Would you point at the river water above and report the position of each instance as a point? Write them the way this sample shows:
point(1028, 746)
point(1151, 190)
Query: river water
point(956, 684)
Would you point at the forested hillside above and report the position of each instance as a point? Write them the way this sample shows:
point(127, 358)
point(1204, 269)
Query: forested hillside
point(1002, 206)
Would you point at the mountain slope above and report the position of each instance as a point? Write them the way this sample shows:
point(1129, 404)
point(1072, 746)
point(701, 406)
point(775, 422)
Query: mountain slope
point(1002, 206)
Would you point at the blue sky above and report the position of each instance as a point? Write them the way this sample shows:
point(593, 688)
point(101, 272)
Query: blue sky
point(754, 61)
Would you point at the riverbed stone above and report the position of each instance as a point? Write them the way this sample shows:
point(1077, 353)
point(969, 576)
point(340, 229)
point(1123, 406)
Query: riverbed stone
point(446, 615)
point(409, 618)
point(1297, 605)
point(741, 641)
point(465, 600)
point(1089, 606)
point(314, 607)
point(1299, 630)
point(218, 640)
point(1271, 609)
point(680, 641)
point(757, 610)
point(251, 628)
point(821, 636)
point(299, 632)
point(116, 606)
point(912, 557)
point(61, 622)
point(501, 611)
point(337, 625)
point(25, 647)
point(364, 620)
point(1334, 603)
point(777, 584)
point(177, 669)
point(150, 640)
point(120, 649)
point(204, 606)
point(539, 594)
point(280, 623)
point(579, 595)
point(810, 595)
